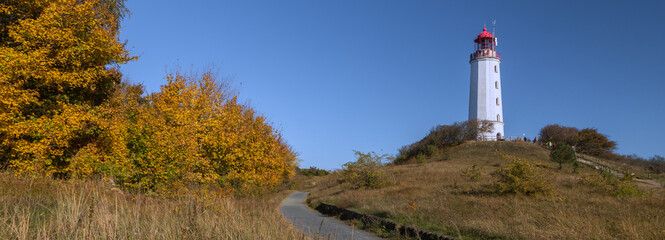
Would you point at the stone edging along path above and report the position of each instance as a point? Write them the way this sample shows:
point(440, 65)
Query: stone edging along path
point(346, 214)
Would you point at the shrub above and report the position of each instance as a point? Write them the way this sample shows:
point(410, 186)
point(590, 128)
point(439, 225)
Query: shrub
point(421, 158)
point(559, 134)
point(590, 141)
point(443, 136)
point(657, 164)
point(365, 172)
point(563, 153)
point(313, 171)
point(610, 184)
point(473, 129)
point(625, 189)
point(586, 141)
point(473, 173)
point(520, 178)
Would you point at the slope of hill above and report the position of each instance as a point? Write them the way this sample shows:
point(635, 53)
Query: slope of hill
point(437, 195)
point(618, 168)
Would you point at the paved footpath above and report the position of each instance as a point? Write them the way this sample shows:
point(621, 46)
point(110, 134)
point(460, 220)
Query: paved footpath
point(316, 225)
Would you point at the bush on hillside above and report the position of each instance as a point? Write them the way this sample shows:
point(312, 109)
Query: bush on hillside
point(519, 177)
point(563, 153)
point(559, 134)
point(474, 129)
point(608, 183)
point(365, 172)
point(591, 142)
point(443, 136)
point(586, 141)
point(313, 171)
point(473, 173)
point(657, 164)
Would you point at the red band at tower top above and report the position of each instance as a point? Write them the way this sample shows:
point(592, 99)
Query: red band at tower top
point(485, 46)
point(483, 35)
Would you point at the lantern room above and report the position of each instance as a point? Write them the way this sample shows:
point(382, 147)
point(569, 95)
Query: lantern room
point(485, 40)
point(485, 46)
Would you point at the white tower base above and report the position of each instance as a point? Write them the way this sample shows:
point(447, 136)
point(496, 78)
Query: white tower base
point(485, 102)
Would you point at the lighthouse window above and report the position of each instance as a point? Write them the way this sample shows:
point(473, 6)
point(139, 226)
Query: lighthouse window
point(496, 84)
point(498, 118)
point(496, 69)
point(497, 101)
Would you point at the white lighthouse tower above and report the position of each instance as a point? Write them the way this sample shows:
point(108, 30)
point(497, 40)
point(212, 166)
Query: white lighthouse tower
point(485, 101)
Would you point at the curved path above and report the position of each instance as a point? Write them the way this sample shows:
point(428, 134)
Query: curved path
point(315, 224)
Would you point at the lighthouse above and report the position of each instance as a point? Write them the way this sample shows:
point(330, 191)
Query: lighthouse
point(485, 101)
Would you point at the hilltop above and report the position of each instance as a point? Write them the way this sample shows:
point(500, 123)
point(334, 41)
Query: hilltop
point(445, 193)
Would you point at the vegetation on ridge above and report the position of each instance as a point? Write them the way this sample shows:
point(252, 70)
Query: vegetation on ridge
point(441, 137)
point(590, 142)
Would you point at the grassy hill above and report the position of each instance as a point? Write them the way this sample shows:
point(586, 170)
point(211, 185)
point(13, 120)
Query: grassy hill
point(437, 195)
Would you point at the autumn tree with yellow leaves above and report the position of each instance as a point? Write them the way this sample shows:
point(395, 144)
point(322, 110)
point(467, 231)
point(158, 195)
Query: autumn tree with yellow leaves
point(59, 64)
point(65, 113)
point(194, 131)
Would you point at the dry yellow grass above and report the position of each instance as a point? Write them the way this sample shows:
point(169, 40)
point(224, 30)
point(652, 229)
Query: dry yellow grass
point(436, 196)
point(46, 209)
point(623, 167)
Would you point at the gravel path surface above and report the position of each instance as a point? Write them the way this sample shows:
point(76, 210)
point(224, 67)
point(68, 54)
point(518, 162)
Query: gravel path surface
point(316, 225)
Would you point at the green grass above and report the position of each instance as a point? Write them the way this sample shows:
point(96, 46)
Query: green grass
point(48, 209)
point(438, 196)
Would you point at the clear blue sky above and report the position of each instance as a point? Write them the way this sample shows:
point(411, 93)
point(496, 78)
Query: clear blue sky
point(374, 75)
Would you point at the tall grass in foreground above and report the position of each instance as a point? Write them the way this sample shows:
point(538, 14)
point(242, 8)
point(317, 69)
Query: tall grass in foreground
point(47, 209)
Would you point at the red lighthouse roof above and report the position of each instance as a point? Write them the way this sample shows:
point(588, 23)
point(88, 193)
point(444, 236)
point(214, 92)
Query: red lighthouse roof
point(484, 34)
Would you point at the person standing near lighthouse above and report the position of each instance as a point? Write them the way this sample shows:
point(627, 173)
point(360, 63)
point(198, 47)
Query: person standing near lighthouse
point(485, 101)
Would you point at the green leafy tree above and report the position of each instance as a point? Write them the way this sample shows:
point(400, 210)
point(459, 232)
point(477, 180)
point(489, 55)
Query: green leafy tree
point(563, 153)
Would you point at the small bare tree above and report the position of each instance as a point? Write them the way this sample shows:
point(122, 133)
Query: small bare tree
point(474, 129)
